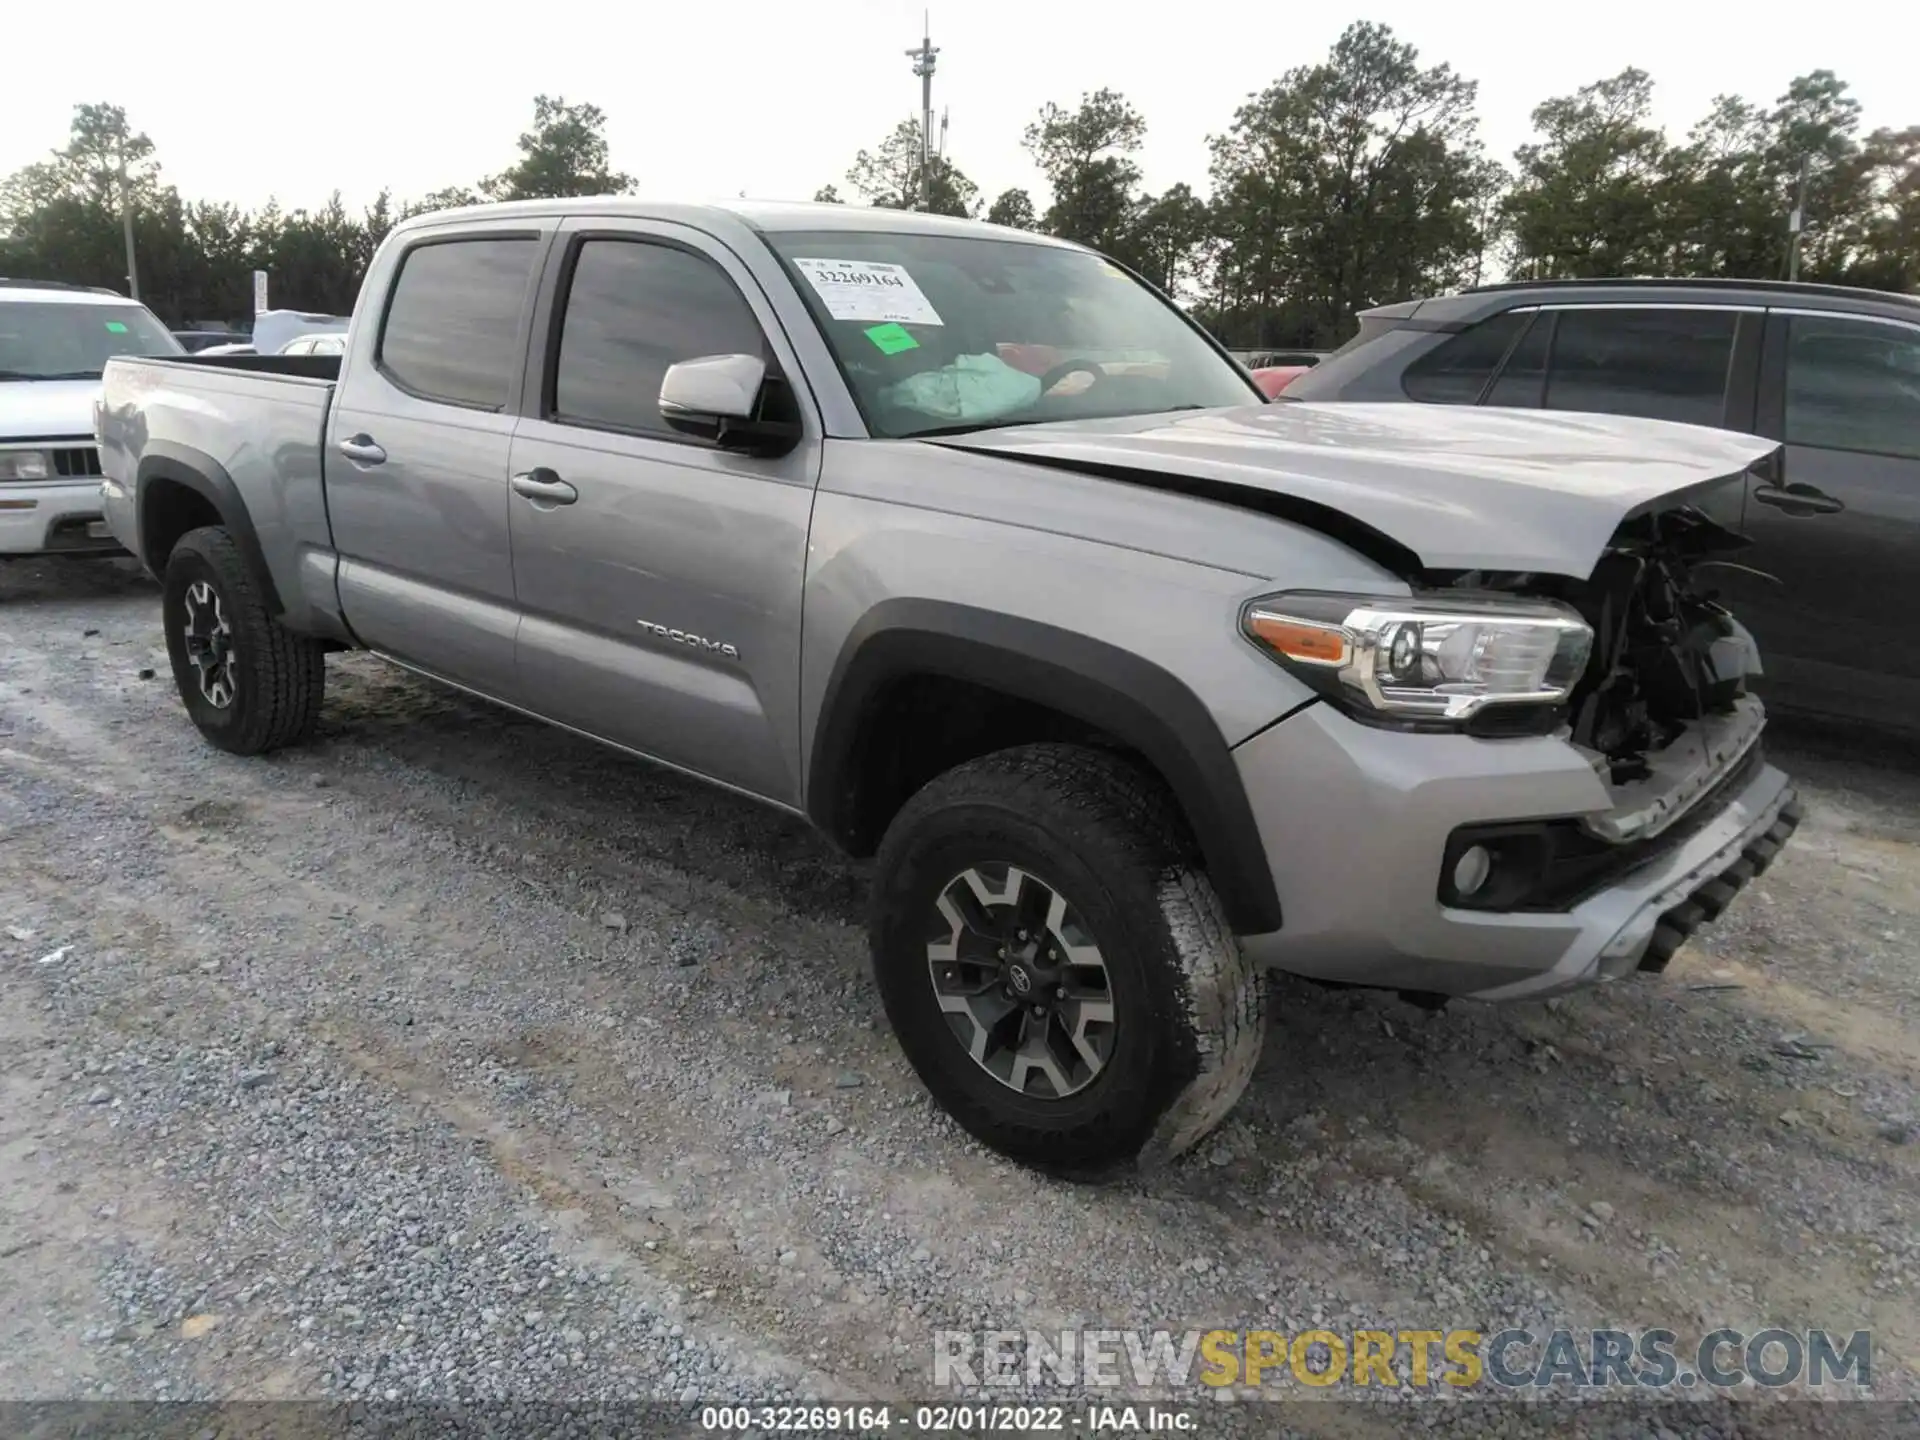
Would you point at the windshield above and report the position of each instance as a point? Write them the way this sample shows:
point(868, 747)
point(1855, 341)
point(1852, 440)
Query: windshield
point(55, 340)
point(938, 333)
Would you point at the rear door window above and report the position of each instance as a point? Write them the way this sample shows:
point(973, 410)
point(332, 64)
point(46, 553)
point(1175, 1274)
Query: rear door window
point(452, 331)
point(1853, 384)
point(1457, 370)
point(1661, 363)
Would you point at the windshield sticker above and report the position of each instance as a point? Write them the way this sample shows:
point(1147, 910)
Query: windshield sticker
point(116, 327)
point(868, 290)
point(891, 339)
point(1113, 270)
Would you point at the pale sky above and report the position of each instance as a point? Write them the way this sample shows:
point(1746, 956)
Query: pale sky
point(773, 99)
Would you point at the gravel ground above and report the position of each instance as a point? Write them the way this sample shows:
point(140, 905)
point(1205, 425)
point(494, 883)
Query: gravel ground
point(453, 1058)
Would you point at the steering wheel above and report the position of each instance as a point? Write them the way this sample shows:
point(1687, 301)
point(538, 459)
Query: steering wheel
point(1068, 367)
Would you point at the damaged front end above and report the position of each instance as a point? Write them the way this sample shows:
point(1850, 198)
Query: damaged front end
point(1538, 745)
point(1664, 715)
point(1662, 707)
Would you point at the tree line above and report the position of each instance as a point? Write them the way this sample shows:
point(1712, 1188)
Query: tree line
point(61, 219)
point(1358, 180)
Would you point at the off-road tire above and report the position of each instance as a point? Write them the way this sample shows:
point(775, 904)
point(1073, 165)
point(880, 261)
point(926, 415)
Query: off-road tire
point(278, 677)
point(1104, 833)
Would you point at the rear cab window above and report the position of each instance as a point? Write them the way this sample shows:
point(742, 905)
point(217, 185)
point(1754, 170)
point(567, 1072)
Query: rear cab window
point(452, 327)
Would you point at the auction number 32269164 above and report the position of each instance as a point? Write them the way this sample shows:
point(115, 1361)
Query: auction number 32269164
point(945, 1419)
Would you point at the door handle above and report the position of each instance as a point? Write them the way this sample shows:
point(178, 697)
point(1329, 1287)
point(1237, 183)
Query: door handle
point(361, 449)
point(543, 487)
point(1798, 499)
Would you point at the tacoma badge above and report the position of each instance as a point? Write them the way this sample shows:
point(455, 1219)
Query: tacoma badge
point(698, 642)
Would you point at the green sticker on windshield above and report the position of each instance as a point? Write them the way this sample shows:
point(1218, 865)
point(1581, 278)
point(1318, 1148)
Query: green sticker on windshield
point(116, 327)
point(891, 339)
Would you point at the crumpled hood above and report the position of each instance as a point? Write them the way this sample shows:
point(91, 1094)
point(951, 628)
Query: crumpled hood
point(1461, 487)
point(47, 409)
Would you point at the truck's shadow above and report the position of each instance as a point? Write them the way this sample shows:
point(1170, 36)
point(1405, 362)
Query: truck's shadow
point(608, 811)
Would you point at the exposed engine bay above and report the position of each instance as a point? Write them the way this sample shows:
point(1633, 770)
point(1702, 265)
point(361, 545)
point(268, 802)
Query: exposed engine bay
point(1666, 653)
point(1663, 708)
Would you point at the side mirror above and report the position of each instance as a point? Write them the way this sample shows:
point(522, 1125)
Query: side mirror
point(736, 401)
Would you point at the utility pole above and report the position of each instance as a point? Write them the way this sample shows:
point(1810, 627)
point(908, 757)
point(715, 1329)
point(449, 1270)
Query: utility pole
point(1486, 221)
point(1797, 224)
point(126, 223)
point(923, 67)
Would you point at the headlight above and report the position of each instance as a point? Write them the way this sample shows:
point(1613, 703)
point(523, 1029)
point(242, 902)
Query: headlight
point(1441, 658)
point(23, 465)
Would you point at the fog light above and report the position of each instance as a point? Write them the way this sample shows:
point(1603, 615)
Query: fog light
point(1471, 870)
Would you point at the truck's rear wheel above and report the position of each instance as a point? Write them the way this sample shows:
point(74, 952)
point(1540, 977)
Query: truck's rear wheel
point(1056, 966)
point(249, 684)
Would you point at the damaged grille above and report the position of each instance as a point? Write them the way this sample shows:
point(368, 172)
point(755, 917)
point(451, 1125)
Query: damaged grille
point(1666, 654)
point(1662, 711)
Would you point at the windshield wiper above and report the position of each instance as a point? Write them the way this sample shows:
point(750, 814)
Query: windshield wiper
point(70, 375)
point(970, 426)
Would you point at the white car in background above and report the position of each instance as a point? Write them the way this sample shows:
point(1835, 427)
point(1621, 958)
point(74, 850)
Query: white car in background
point(278, 332)
point(54, 341)
point(271, 329)
point(335, 344)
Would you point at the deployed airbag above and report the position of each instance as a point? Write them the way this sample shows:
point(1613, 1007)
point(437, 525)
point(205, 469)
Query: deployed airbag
point(971, 387)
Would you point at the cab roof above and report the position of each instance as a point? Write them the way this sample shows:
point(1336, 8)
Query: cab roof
point(766, 216)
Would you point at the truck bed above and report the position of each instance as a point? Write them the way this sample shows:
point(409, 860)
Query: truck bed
point(304, 368)
point(245, 432)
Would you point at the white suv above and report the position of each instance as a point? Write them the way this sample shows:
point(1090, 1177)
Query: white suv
point(54, 341)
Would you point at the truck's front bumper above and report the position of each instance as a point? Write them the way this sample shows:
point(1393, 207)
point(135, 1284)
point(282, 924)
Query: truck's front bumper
point(53, 517)
point(1356, 821)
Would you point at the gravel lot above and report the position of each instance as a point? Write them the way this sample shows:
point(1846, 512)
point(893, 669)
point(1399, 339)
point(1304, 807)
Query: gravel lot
point(456, 1058)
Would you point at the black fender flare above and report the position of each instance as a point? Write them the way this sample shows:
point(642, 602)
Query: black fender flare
point(207, 478)
point(1144, 706)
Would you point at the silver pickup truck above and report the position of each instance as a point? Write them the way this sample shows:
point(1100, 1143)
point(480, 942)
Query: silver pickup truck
point(967, 545)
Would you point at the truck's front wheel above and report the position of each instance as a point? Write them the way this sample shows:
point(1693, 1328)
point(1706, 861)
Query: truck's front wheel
point(1058, 970)
point(249, 684)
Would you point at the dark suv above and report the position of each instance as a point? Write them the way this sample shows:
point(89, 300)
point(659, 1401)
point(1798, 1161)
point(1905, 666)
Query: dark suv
point(1832, 580)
